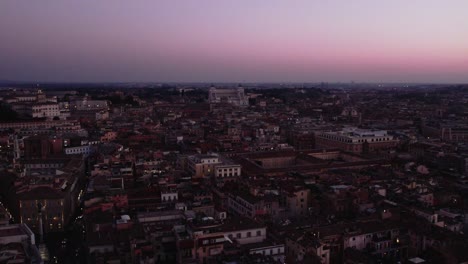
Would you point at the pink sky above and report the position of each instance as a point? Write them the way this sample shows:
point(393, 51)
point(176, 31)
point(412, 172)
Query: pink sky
point(234, 41)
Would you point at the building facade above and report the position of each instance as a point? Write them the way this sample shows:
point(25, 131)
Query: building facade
point(234, 96)
point(356, 140)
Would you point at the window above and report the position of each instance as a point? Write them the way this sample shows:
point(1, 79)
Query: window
point(259, 232)
point(238, 235)
point(249, 234)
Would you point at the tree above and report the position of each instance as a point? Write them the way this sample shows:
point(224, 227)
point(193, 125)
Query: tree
point(7, 114)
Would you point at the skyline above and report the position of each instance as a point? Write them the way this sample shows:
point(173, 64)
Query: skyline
point(220, 41)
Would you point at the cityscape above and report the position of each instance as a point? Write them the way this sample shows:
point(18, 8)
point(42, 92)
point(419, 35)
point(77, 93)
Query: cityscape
point(204, 132)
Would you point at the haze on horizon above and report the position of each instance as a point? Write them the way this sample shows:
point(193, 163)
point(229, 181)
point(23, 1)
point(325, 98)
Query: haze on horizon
point(234, 41)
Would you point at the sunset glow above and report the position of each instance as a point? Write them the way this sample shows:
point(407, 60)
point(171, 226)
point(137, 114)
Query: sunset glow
point(305, 41)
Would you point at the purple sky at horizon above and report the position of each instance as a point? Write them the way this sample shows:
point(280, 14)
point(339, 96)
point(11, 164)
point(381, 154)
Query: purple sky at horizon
point(234, 41)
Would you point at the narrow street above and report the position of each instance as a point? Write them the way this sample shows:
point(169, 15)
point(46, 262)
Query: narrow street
point(69, 246)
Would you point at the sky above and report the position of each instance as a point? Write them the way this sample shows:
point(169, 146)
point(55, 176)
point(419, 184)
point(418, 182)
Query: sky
point(234, 41)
